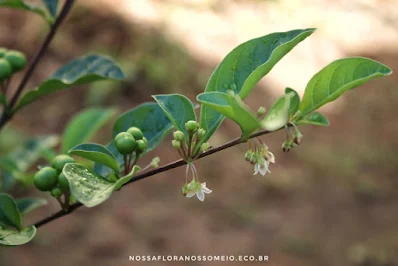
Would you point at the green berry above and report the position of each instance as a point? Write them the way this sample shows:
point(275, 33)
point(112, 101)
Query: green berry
point(145, 140)
point(141, 146)
point(136, 132)
point(176, 144)
point(191, 126)
point(63, 182)
point(56, 192)
point(3, 51)
point(125, 143)
point(178, 135)
point(5, 69)
point(16, 59)
point(45, 179)
point(201, 133)
point(59, 162)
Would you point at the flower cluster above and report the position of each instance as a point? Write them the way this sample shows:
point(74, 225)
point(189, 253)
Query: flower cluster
point(261, 158)
point(189, 149)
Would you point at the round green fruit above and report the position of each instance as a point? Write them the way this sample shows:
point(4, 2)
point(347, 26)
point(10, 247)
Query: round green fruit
point(5, 69)
point(16, 59)
point(3, 51)
point(59, 162)
point(141, 146)
point(192, 126)
point(56, 192)
point(63, 182)
point(45, 179)
point(125, 143)
point(135, 132)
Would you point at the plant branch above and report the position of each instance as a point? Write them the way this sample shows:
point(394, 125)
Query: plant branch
point(7, 114)
point(161, 169)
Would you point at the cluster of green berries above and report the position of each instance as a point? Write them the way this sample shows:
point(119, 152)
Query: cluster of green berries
point(132, 140)
point(11, 61)
point(295, 139)
point(196, 135)
point(51, 178)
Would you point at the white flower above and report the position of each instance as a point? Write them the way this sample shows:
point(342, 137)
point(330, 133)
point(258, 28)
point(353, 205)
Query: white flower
point(198, 189)
point(261, 167)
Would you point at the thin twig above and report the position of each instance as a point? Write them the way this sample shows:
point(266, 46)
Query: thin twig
point(161, 169)
point(7, 114)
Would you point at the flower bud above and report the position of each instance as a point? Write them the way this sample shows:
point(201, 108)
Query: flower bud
point(204, 147)
point(56, 192)
point(191, 126)
point(298, 137)
point(176, 144)
point(155, 162)
point(135, 132)
point(178, 135)
point(261, 111)
point(286, 146)
point(201, 133)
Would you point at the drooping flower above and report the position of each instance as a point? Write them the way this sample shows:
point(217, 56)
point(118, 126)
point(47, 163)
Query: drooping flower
point(195, 187)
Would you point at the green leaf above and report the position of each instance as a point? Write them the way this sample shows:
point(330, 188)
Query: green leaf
point(89, 188)
point(77, 72)
point(20, 4)
point(338, 77)
point(30, 151)
point(9, 213)
point(97, 153)
point(232, 107)
point(10, 237)
point(84, 125)
point(29, 204)
point(314, 118)
point(52, 6)
point(152, 121)
point(294, 101)
point(178, 108)
point(278, 115)
point(244, 66)
point(123, 180)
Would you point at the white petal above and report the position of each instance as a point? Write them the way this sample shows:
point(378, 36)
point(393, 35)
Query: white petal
point(200, 195)
point(256, 168)
point(206, 190)
point(271, 157)
point(190, 194)
point(263, 171)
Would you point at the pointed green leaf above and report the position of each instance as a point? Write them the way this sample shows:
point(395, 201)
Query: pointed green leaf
point(25, 155)
point(29, 204)
point(96, 153)
point(152, 121)
point(84, 125)
point(77, 72)
point(89, 188)
point(244, 66)
point(314, 118)
point(20, 4)
point(9, 213)
point(278, 115)
point(337, 78)
point(178, 108)
point(52, 6)
point(124, 179)
point(294, 101)
point(232, 107)
point(10, 237)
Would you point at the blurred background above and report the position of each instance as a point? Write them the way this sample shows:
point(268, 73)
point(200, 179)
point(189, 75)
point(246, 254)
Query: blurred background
point(331, 201)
